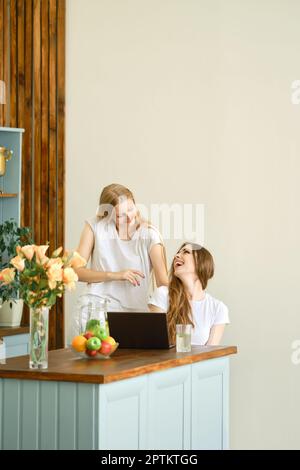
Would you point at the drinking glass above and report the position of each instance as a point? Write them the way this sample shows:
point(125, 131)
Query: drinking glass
point(183, 338)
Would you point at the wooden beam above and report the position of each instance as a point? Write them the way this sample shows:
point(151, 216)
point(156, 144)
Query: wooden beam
point(13, 65)
point(1, 55)
point(6, 68)
point(37, 117)
point(60, 171)
point(52, 148)
point(21, 63)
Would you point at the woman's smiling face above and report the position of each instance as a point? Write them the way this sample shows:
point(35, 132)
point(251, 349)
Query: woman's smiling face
point(126, 212)
point(183, 262)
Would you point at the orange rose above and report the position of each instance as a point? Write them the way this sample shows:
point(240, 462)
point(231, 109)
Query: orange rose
point(54, 274)
point(69, 278)
point(77, 261)
point(53, 261)
point(28, 251)
point(18, 263)
point(57, 252)
point(40, 253)
point(7, 275)
point(19, 250)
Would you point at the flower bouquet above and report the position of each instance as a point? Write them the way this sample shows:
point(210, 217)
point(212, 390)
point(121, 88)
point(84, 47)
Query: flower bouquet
point(41, 280)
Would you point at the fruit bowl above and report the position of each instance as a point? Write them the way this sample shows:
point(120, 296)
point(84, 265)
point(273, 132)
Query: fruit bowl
point(97, 356)
point(89, 346)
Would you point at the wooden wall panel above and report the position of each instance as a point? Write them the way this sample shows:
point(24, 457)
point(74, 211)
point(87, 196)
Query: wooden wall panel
point(45, 118)
point(1, 53)
point(37, 214)
point(27, 163)
point(6, 68)
point(52, 132)
point(13, 64)
point(60, 170)
point(20, 62)
point(32, 65)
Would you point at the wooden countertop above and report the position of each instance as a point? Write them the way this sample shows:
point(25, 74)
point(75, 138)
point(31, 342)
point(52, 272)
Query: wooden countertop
point(66, 366)
point(13, 330)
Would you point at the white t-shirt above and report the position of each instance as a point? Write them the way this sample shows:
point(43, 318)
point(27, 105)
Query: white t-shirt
point(206, 313)
point(112, 254)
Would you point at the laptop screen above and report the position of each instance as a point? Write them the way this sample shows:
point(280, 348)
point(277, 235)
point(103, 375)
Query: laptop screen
point(142, 330)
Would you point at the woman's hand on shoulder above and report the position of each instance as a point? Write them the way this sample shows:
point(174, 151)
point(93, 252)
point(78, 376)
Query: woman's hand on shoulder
point(131, 275)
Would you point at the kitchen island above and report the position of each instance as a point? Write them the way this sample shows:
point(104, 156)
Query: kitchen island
point(137, 399)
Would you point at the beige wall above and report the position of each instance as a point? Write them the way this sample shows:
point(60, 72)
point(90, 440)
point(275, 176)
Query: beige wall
point(189, 101)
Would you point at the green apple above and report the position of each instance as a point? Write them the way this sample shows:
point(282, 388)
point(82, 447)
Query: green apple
point(102, 333)
point(93, 343)
point(92, 324)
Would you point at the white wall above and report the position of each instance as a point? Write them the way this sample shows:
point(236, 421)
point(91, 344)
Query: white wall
point(189, 101)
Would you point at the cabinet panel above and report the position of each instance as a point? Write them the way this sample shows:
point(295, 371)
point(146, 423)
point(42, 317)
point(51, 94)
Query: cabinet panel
point(11, 396)
point(14, 340)
point(123, 414)
point(169, 409)
point(48, 416)
point(210, 404)
point(67, 416)
point(29, 415)
point(16, 345)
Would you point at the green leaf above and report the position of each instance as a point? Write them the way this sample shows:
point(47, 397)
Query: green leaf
point(10, 237)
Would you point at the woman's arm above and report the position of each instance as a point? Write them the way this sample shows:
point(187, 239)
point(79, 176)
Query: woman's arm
point(215, 335)
point(159, 266)
point(85, 249)
point(86, 246)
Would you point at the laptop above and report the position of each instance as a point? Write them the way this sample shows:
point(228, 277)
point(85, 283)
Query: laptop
point(141, 330)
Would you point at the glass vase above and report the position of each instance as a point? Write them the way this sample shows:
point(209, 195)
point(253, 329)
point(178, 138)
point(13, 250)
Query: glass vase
point(38, 346)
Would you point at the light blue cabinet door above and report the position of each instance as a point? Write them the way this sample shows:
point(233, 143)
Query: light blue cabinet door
point(169, 409)
point(16, 345)
point(123, 414)
point(210, 404)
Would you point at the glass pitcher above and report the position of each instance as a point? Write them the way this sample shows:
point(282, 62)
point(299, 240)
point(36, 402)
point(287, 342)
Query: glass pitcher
point(93, 314)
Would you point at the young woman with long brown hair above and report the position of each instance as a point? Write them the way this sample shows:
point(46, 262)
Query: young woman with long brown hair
point(186, 300)
point(124, 250)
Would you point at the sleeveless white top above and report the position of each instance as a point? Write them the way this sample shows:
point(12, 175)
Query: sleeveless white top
point(112, 254)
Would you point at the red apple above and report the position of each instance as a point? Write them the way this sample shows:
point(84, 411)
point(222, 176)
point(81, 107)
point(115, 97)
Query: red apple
point(88, 335)
point(91, 352)
point(105, 348)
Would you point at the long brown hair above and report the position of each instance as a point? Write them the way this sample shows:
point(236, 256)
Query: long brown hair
point(180, 311)
point(110, 197)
